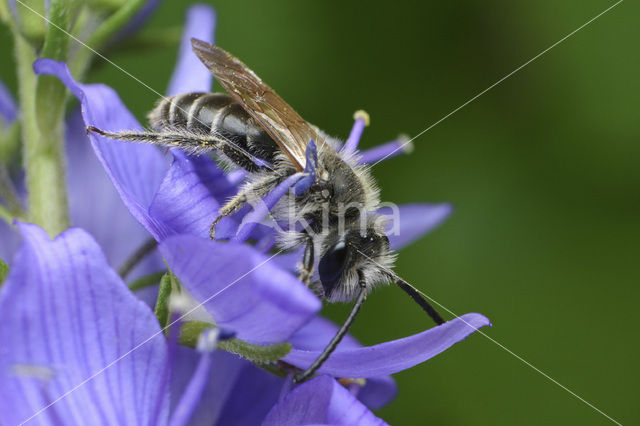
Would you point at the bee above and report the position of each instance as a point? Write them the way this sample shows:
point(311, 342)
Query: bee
point(252, 128)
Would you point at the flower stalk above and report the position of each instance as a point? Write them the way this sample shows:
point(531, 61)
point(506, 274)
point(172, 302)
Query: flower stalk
point(42, 143)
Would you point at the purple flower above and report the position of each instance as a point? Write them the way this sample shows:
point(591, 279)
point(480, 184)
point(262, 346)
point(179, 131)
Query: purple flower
point(65, 316)
point(320, 401)
point(78, 346)
point(239, 285)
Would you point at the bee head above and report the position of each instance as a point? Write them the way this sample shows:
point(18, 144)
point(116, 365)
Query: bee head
point(348, 256)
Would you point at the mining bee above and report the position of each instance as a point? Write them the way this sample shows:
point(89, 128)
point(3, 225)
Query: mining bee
point(253, 129)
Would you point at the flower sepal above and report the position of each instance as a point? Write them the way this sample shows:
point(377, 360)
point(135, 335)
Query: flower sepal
point(190, 333)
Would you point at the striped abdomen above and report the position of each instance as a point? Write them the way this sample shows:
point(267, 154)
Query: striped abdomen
point(219, 114)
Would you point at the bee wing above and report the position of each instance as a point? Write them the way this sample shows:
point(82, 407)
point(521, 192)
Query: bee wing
point(290, 131)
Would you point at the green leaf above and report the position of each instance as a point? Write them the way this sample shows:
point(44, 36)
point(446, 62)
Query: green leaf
point(4, 271)
point(162, 303)
point(257, 354)
point(146, 281)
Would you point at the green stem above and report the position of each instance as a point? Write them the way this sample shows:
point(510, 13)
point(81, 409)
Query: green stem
point(9, 194)
point(42, 152)
point(137, 256)
point(6, 215)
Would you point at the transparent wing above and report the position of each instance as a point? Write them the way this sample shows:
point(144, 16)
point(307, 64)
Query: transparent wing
point(290, 131)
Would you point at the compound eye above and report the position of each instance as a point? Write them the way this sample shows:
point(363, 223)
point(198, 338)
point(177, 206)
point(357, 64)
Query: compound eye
point(331, 266)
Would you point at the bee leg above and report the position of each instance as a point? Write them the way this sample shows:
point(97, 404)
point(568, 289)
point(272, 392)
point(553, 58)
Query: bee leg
point(328, 350)
point(307, 262)
point(231, 207)
point(246, 195)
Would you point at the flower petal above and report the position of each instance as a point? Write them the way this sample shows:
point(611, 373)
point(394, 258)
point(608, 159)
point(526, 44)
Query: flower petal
point(241, 288)
point(309, 170)
point(396, 355)
point(77, 334)
point(190, 75)
point(320, 401)
point(9, 241)
point(190, 194)
point(95, 205)
point(237, 391)
point(8, 107)
point(138, 20)
point(410, 222)
point(378, 392)
point(192, 395)
point(315, 335)
point(136, 170)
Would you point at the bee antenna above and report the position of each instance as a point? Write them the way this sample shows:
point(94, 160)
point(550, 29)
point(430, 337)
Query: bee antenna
point(419, 299)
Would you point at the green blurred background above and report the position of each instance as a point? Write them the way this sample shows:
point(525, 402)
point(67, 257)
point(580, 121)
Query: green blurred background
point(542, 171)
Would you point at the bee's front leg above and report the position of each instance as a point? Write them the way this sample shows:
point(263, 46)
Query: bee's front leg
point(307, 262)
point(232, 206)
point(247, 194)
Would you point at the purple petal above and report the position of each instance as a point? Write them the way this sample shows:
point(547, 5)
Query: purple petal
point(9, 241)
point(187, 201)
point(67, 316)
point(190, 75)
point(377, 392)
point(310, 166)
point(95, 205)
point(191, 396)
point(8, 107)
point(139, 20)
point(289, 260)
point(241, 288)
point(387, 150)
point(233, 385)
point(409, 222)
point(136, 170)
point(320, 401)
point(391, 357)
point(315, 335)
